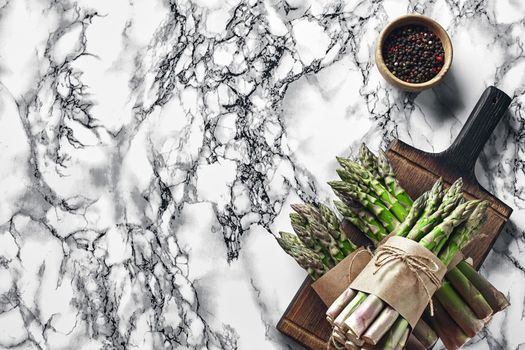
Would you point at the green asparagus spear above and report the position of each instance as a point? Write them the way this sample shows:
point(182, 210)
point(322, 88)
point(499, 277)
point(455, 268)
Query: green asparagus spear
point(402, 342)
point(494, 297)
point(355, 220)
point(360, 174)
point(413, 215)
point(469, 293)
point(349, 309)
point(306, 235)
point(459, 311)
point(382, 213)
point(300, 227)
point(425, 334)
point(451, 335)
point(339, 304)
point(464, 233)
point(380, 325)
point(327, 241)
point(434, 200)
point(306, 258)
point(362, 219)
point(394, 334)
point(333, 224)
point(389, 178)
point(443, 230)
point(325, 233)
point(450, 201)
point(368, 160)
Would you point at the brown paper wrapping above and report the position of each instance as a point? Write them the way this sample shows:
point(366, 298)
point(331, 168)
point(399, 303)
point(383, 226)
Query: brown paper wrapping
point(396, 284)
point(335, 281)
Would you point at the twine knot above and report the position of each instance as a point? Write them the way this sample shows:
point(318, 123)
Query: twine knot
point(416, 263)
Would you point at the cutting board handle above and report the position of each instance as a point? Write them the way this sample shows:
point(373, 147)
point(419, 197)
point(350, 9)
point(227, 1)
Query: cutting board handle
point(480, 125)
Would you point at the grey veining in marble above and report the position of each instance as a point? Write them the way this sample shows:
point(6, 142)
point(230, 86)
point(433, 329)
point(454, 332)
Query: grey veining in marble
point(149, 149)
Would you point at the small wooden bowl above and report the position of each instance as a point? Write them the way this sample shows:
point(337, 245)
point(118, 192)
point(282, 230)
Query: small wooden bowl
point(420, 20)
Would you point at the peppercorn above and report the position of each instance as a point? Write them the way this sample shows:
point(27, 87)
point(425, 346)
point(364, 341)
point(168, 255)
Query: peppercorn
point(413, 53)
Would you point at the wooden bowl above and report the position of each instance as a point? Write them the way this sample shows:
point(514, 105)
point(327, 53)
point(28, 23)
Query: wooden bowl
point(420, 20)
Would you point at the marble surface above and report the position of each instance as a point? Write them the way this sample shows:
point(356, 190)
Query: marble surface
point(150, 149)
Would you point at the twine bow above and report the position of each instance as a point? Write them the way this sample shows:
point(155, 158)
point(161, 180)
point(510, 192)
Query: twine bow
point(416, 263)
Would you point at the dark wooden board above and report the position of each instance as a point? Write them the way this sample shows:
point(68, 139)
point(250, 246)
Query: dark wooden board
point(417, 171)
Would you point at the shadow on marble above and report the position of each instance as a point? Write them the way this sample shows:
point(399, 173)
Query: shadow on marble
point(449, 101)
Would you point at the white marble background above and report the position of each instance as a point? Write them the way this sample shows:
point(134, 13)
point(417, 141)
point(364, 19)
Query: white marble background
point(149, 149)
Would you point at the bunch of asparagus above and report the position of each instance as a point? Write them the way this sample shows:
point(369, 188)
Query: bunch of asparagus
point(320, 243)
point(373, 200)
point(439, 220)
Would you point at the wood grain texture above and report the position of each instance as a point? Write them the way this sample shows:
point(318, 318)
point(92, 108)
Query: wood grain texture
point(417, 171)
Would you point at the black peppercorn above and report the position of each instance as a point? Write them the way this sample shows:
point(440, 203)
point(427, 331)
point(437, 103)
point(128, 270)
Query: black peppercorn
point(413, 53)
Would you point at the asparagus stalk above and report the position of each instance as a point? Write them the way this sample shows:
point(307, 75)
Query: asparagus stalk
point(333, 224)
point(380, 326)
point(450, 201)
point(354, 339)
point(394, 334)
point(443, 242)
point(414, 344)
point(424, 334)
point(451, 335)
point(373, 204)
point(470, 294)
point(434, 200)
point(367, 223)
point(339, 304)
point(443, 230)
point(360, 174)
point(303, 231)
point(327, 241)
point(330, 220)
point(389, 178)
point(494, 297)
point(300, 227)
point(358, 223)
point(364, 315)
point(464, 233)
point(347, 311)
point(369, 160)
point(459, 311)
point(402, 342)
point(306, 258)
point(338, 336)
point(318, 230)
point(413, 215)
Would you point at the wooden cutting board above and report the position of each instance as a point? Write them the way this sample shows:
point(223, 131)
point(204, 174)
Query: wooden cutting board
point(416, 170)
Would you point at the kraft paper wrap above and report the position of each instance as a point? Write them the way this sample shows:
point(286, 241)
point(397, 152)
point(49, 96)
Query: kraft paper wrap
point(335, 281)
point(396, 274)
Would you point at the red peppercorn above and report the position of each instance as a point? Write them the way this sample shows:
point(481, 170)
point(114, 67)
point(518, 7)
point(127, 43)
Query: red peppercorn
point(439, 58)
